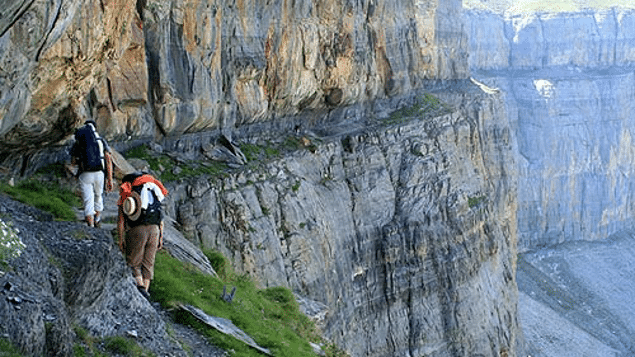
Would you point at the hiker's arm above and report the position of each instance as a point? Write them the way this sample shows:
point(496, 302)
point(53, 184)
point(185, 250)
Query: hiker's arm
point(109, 171)
point(121, 229)
point(106, 146)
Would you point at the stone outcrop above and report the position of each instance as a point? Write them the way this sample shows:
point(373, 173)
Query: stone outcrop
point(568, 83)
point(67, 277)
point(163, 67)
point(405, 232)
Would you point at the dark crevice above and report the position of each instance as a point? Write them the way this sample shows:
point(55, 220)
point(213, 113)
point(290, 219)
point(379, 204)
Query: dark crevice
point(55, 21)
point(17, 17)
point(141, 5)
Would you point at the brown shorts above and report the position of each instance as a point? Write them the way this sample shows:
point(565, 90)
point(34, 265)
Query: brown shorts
point(142, 243)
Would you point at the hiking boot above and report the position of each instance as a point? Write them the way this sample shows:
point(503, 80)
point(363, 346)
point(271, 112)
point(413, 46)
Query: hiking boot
point(143, 292)
point(97, 220)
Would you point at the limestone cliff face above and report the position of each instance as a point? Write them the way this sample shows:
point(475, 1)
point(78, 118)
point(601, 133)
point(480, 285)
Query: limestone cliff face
point(406, 233)
point(587, 39)
point(167, 67)
point(568, 80)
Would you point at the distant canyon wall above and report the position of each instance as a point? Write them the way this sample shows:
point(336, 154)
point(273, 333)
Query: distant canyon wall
point(155, 68)
point(569, 84)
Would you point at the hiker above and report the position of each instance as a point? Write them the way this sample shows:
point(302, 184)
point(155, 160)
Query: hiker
point(91, 154)
point(140, 225)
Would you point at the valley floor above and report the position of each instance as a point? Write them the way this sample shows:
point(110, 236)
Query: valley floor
point(576, 299)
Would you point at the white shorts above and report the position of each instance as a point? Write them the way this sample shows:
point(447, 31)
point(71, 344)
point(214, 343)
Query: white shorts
point(92, 185)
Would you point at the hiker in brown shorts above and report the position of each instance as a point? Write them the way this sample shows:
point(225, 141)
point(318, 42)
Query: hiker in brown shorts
point(140, 225)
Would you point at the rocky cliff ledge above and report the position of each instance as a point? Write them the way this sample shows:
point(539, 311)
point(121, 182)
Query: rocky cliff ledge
point(151, 68)
point(405, 232)
point(402, 227)
point(399, 217)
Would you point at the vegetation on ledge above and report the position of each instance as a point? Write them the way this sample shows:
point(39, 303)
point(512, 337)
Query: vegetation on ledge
point(45, 191)
point(270, 316)
point(426, 105)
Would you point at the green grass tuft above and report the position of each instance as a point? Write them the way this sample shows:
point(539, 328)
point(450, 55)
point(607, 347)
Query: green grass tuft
point(257, 153)
point(164, 165)
point(119, 345)
point(218, 262)
point(7, 349)
point(47, 196)
point(425, 105)
point(270, 316)
point(87, 345)
point(474, 201)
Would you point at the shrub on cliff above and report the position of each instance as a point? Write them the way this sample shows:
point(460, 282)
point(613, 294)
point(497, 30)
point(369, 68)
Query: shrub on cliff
point(7, 349)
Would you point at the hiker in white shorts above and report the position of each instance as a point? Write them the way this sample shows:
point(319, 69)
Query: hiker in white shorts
point(92, 153)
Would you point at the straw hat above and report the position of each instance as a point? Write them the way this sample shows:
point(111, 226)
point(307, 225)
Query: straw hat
point(132, 206)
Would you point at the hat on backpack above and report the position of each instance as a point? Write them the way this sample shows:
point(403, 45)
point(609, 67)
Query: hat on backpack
point(132, 206)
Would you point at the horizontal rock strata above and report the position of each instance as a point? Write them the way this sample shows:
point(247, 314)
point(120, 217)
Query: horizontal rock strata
point(406, 233)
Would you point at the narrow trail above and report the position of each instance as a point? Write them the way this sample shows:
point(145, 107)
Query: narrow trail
point(189, 338)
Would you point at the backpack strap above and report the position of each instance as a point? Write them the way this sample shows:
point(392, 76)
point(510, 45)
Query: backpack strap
point(100, 143)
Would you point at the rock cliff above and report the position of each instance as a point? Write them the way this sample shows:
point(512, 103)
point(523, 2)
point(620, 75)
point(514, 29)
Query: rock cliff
point(150, 68)
point(405, 232)
point(402, 228)
point(568, 81)
point(400, 214)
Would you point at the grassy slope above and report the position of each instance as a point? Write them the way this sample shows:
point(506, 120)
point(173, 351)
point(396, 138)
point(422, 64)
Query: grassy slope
point(270, 316)
point(47, 196)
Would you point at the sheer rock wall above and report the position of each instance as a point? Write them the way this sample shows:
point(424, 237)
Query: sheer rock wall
point(568, 80)
point(163, 67)
point(406, 234)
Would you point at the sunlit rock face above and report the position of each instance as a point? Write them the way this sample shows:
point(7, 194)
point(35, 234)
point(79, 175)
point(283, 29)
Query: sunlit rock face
point(569, 84)
point(167, 67)
point(588, 39)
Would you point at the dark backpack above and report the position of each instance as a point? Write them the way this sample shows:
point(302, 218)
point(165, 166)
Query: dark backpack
point(89, 149)
point(151, 215)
